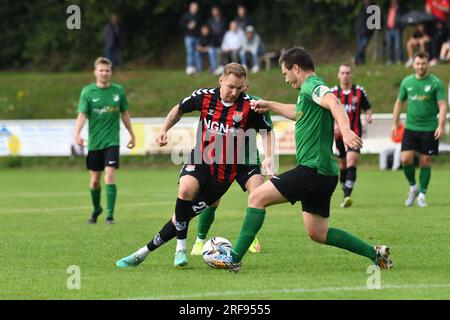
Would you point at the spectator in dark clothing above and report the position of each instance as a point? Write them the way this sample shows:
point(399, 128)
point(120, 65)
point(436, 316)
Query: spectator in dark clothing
point(217, 26)
point(205, 47)
point(242, 19)
point(112, 35)
point(190, 25)
point(439, 31)
point(363, 34)
point(394, 32)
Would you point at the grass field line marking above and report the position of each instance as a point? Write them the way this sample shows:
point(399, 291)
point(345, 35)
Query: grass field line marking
point(38, 210)
point(293, 290)
point(65, 194)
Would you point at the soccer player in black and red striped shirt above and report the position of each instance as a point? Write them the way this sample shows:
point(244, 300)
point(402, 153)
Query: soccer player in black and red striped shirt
point(354, 99)
point(225, 120)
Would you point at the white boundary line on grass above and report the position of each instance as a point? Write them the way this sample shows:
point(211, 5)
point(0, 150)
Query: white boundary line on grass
point(293, 290)
point(39, 210)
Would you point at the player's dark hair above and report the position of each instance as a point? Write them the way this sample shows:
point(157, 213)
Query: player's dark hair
point(298, 56)
point(422, 55)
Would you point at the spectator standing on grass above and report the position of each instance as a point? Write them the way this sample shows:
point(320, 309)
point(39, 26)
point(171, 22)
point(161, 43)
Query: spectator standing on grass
point(363, 33)
point(190, 25)
point(112, 35)
point(394, 32)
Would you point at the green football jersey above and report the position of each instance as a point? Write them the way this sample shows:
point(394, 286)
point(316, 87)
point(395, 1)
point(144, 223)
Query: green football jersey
point(314, 131)
point(103, 106)
point(422, 96)
point(254, 157)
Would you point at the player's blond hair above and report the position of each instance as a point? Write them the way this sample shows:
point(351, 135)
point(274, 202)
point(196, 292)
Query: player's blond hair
point(102, 60)
point(236, 69)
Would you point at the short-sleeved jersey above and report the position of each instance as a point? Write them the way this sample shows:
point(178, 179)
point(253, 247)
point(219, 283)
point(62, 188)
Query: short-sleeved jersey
point(422, 96)
point(103, 106)
point(354, 101)
point(222, 130)
point(314, 130)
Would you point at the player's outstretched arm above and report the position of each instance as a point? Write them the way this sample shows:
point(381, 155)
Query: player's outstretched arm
point(81, 120)
point(286, 110)
point(172, 118)
point(351, 139)
point(396, 116)
point(442, 115)
point(127, 123)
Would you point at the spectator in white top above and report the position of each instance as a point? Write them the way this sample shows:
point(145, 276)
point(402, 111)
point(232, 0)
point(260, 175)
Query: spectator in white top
point(232, 42)
point(253, 46)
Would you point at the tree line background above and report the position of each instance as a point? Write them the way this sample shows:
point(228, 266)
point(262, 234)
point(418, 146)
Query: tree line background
point(33, 34)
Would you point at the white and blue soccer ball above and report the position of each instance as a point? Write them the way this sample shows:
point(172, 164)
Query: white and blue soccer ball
point(213, 248)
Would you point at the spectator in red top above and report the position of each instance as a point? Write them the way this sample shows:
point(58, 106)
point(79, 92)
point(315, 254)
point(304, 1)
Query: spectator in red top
point(439, 9)
point(394, 34)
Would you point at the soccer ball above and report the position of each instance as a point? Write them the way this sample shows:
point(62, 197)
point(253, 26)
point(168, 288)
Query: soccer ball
point(215, 247)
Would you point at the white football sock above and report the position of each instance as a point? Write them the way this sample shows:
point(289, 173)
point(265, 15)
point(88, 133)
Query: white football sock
point(143, 252)
point(181, 245)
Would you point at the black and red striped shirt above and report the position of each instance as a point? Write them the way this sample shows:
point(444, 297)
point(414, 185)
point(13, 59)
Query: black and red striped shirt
point(354, 101)
point(221, 127)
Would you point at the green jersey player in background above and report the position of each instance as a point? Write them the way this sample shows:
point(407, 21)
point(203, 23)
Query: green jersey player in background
point(314, 179)
point(425, 96)
point(103, 103)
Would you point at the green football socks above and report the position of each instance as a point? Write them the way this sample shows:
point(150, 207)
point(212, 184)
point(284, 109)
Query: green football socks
point(205, 220)
point(253, 221)
point(344, 240)
point(95, 196)
point(111, 193)
point(424, 178)
point(410, 173)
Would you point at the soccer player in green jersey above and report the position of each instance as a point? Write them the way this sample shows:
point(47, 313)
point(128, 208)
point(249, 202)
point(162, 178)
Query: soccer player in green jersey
point(249, 178)
point(425, 96)
point(103, 103)
point(315, 178)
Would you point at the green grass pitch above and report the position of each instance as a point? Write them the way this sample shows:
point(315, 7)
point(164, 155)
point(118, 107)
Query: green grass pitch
point(44, 231)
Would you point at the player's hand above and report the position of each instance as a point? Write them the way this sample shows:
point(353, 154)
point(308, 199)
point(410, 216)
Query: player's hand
point(131, 144)
point(79, 141)
point(259, 106)
point(161, 139)
point(438, 133)
point(268, 167)
point(368, 117)
point(351, 139)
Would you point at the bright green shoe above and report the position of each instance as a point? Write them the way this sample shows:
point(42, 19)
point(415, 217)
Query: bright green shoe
point(255, 247)
point(347, 203)
point(197, 249)
point(180, 259)
point(131, 261)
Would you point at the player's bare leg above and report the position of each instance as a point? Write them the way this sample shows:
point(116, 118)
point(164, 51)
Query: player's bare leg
point(94, 185)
